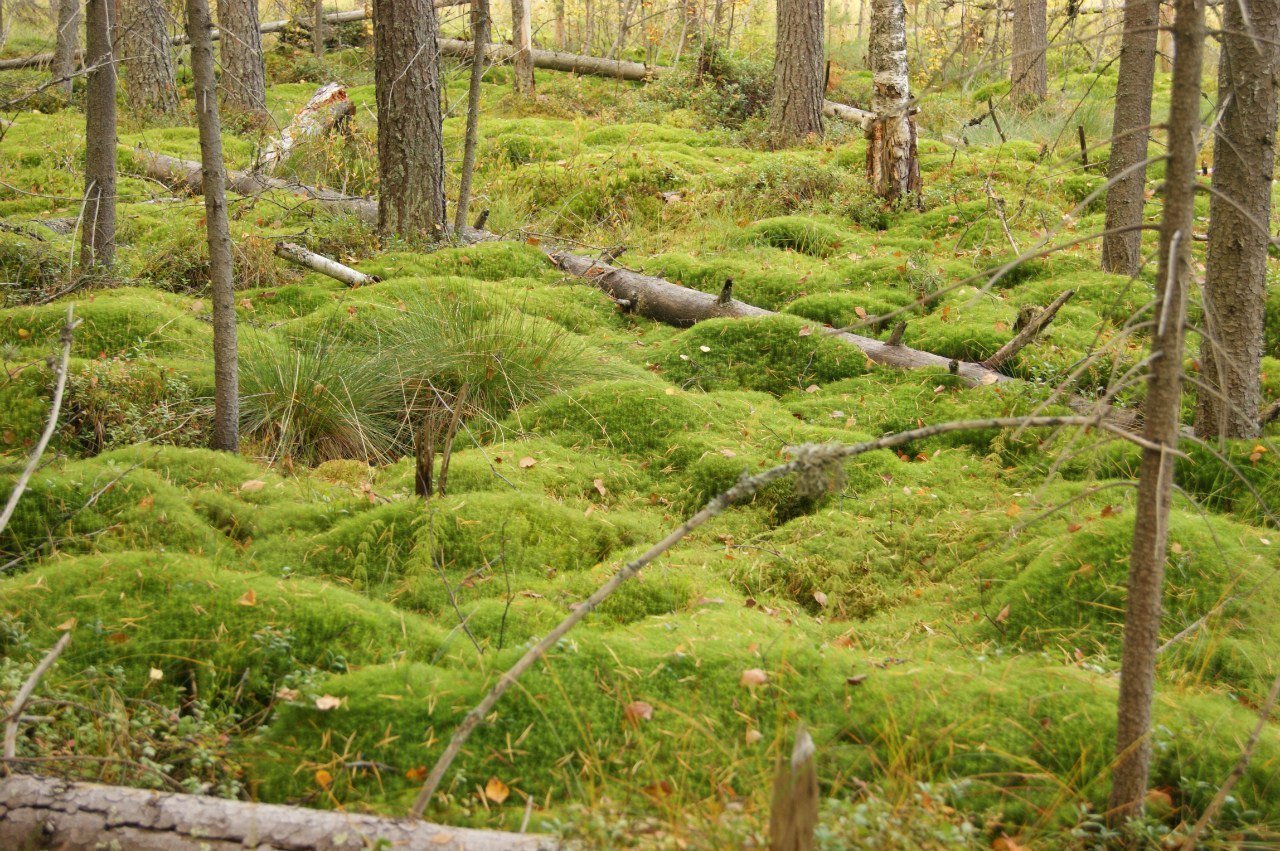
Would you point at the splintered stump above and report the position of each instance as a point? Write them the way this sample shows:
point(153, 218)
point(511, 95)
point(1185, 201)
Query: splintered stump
point(328, 109)
point(794, 815)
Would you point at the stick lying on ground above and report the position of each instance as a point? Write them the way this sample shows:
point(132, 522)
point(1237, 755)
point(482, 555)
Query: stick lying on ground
point(319, 263)
point(1028, 334)
point(83, 816)
point(24, 694)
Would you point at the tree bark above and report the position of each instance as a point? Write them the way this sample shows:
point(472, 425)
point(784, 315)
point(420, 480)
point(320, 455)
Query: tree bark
point(317, 28)
point(1229, 400)
point(1029, 83)
point(147, 59)
point(522, 41)
point(41, 812)
point(295, 253)
point(480, 29)
point(67, 43)
point(410, 143)
point(1126, 173)
point(557, 7)
point(1163, 403)
point(893, 168)
point(796, 110)
point(98, 230)
point(226, 392)
point(244, 73)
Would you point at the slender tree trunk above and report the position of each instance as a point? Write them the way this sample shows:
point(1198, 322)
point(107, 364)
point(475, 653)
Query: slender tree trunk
point(147, 59)
point(480, 31)
point(893, 168)
point(1122, 245)
point(244, 87)
point(588, 26)
point(226, 393)
point(98, 231)
point(1235, 282)
point(67, 42)
point(522, 39)
point(1163, 402)
point(410, 144)
point(557, 8)
point(796, 111)
point(317, 28)
point(1028, 78)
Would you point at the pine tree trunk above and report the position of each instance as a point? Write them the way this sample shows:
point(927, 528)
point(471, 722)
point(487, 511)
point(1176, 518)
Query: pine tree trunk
point(796, 111)
point(1163, 403)
point(1235, 283)
point(410, 145)
point(522, 39)
point(98, 230)
point(480, 32)
point(893, 168)
point(1028, 78)
point(317, 28)
point(149, 85)
point(557, 8)
point(244, 85)
point(226, 393)
point(67, 43)
point(1127, 177)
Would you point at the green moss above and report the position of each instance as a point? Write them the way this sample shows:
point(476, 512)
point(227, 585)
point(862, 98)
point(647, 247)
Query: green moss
point(126, 320)
point(797, 233)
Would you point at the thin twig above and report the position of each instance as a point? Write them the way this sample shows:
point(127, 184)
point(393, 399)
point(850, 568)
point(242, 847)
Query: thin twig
point(24, 694)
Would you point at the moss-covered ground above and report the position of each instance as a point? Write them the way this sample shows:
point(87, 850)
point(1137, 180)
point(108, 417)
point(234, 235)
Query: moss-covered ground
point(945, 619)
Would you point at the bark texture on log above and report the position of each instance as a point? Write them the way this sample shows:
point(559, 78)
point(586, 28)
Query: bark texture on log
point(1126, 175)
point(1235, 280)
point(796, 110)
point(1029, 82)
point(147, 57)
point(327, 108)
point(98, 231)
point(410, 135)
point(893, 168)
point(244, 73)
point(1147, 556)
point(39, 812)
point(295, 253)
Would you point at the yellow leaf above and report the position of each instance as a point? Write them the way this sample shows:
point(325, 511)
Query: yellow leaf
point(69, 623)
point(527, 462)
point(1013, 510)
point(323, 779)
point(253, 485)
point(250, 598)
point(495, 790)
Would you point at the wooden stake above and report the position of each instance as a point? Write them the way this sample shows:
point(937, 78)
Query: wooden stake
point(794, 815)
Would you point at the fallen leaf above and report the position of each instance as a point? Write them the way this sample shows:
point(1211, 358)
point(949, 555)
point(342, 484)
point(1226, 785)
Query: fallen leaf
point(753, 677)
point(728, 453)
point(1074, 527)
point(286, 693)
point(857, 679)
point(1003, 615)
point(249, 598)
point(820, 598)
point(417, 774)
point(1108, 511)
point(495, 790)
point(527, 462)
point(637, 711)
point(599, 483)
point(323, 779)
point(156, 674)
point(146, 502)
point(812, 388)
point(805, 331)
point(1006, 843)
point(253, 485)
point(118, 637)
point(753, 736)
point(69, 623)
point(325, 702)
point(1013, 510)
point(861, 312)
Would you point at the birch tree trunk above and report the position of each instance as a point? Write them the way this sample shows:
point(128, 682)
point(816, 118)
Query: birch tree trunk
point(1235, 282)
point(98, 230)
point(410, 141)
point(1029, 78)
point(796, 110)
point(244, 73)
point(522, 39)
point(226, 392)
point(149, 85)
point(1164, 396)
point(67, 42)
point(1126, 175)
point(893, 169)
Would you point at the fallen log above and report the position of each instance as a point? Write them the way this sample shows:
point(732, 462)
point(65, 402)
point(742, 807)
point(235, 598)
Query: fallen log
point(328, 108)
point(43, 812)
point(319, 263)
point(645, 295)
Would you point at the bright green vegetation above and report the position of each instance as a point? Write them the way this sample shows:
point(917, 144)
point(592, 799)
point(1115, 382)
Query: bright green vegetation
point(944, 619)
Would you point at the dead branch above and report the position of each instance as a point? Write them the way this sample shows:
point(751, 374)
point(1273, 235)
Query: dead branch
point(1028, 333)
point(295, 253)
point(24, 694)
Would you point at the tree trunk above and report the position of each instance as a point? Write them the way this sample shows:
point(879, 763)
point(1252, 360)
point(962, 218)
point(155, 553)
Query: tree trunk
point(226, 388)
point(893, 168)
point(480, 29)
point(796, 111)
point(1126, 173)
point(149, 85)
point(42, 812)
point(410, 143)
point(522, 41)
point(1162, 406)
point(67, 43)
point(244, 85)
point(1235, 281)
point(1029, 79)
point(98, 231)
point(317, 28)
point(557, 8)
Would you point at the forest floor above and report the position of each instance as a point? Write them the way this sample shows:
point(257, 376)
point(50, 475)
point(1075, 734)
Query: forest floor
point(291, 623)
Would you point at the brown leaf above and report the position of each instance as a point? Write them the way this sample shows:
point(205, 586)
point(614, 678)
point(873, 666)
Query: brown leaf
point(753, 677)
point(147, 501)
point(1003, 615)
point(599, 483)
point(527, 462)
point(637, 711)
point(861, 312)
point(417, 774)
point(495, 790)
point(805, 331)
point(249, 598)
point(118, 637)
point(857, 679)
point(252, 485)
point(69, 623)
point(323, 779)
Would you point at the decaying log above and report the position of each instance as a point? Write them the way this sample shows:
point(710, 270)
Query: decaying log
point(42, 812)
point(329, 108)
point(319, 263)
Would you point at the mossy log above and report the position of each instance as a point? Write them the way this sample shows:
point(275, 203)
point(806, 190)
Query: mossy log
point(43, 812)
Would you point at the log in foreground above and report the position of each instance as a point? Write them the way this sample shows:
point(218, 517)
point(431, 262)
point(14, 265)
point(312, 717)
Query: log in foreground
point(295, 253)
point(43, 812)
point(654, 298)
